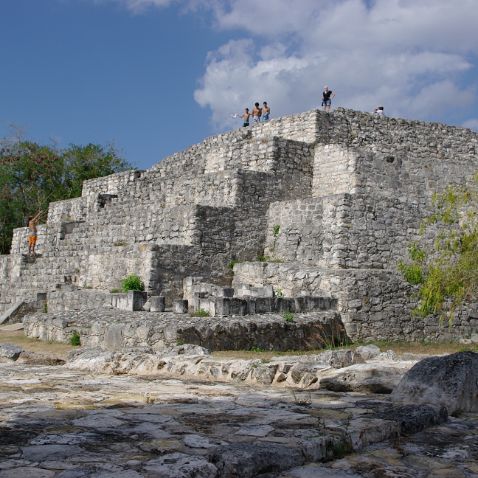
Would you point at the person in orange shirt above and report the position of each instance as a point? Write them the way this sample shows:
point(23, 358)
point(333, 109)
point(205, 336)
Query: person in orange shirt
point(33, 234)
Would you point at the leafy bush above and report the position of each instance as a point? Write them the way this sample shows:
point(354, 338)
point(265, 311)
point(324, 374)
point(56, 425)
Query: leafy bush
point(132, 282)
point(445, 265)
point(289, 317)
point(75, 339)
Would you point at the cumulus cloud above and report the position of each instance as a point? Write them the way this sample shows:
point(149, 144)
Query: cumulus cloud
point(408, 55)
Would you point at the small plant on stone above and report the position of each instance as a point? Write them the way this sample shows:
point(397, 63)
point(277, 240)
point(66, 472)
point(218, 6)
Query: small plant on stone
point(75, 339)
point(276, 230)
point(289, 317)
point(257, 349)
point(45, 308)
point(279, 293)
point(116, 290)
point(200, 313)
point(232, 264)
point(263, 258)
point(132, 282)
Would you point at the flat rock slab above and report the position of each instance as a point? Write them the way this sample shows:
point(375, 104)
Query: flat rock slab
point(61, 423)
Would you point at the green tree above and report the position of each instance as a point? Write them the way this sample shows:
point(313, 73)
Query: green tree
point(32, 176)
point(444, 262)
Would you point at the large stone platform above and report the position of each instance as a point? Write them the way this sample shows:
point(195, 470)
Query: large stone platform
point(119, 330)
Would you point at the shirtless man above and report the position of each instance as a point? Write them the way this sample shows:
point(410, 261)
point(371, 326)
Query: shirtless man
point(266, 111)
point(245, 116)
point(32, 236)
point(327, 96)
point(256, 113)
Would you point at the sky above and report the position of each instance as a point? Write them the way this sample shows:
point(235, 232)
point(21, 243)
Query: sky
point(152, 77)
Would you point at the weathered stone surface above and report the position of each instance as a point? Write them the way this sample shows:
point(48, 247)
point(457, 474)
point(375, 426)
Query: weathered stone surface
point(120, 330)
point(450, 381)
point(247, 460)
point(9, 352)
point(370, 377)
point(76, 424)
point(368, 351)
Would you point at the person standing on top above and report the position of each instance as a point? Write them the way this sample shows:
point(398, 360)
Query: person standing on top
point(256, 113)
point(327, 96)
point(245, 117)
point(266, 111)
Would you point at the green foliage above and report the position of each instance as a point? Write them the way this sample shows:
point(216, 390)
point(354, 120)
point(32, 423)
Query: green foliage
point(276, 230)
point(278, 292)
point(200, 313)
point(289, 317)
point(32, 176)
point(413, 273)
point(445, 266)
point(75, 339)
point(115, 290)
point(263, 258)
point(232, 264)
point(132, 282)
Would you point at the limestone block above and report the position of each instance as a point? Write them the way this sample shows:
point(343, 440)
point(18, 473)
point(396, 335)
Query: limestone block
point(157, 304)
point(180, 306)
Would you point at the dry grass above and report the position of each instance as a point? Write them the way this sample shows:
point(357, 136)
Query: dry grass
point(33, 345)
point(397, 347)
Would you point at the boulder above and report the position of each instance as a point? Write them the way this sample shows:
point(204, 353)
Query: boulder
point(450, 381)
point(374, 378)
point(368, 351)
point(9, 352)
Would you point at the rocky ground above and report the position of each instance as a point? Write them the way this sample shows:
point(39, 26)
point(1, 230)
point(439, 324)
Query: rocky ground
point(62, 422)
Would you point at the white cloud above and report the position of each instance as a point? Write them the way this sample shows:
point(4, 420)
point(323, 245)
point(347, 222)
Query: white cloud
point(409, 55)
point(137, 6)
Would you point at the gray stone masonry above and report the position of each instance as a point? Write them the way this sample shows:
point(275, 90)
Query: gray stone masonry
point(326, 202)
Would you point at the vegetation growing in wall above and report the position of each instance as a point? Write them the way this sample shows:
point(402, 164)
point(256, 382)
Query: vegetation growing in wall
point(32, 176)
point(75, 339)
point(200, 313)
point(132, 282)
point(444, 264)
point(289, 317)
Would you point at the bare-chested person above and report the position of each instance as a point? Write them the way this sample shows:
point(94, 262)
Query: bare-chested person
point(266, 111)
point(32, 235)
point(245, 117)
point(256, 113)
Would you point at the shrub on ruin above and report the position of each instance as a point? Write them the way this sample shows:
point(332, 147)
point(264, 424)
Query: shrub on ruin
point(444, 263)
point(289, 317)
point(132, 282)
point(75, 339)
point(200, 313)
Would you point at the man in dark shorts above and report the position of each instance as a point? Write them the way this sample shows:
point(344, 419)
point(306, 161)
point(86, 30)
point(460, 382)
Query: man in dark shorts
point(245, 116)
point(327, 96)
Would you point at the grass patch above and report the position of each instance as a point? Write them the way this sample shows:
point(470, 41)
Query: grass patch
point(289, 317)
point(200, 313)
point(19, 339)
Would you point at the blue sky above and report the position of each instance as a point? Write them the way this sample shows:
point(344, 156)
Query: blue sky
point(154, 76)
